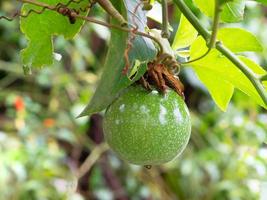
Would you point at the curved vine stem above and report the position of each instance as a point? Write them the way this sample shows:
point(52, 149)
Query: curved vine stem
point(215, 27)
point(93, 20)
point(224, 50)
point(216, 22)
point(165, 30)
point(109, 8)
point(263, 78)
point(198, 58)
point(99, 22)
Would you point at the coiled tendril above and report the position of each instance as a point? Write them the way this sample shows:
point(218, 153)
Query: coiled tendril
point(60, 8)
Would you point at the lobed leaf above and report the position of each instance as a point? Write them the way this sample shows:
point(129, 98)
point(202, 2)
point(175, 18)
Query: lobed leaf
point(220, 90)
point(233, 11)
point(39, 30)
point(185, 35)
point(215, 68)
point(239, 40)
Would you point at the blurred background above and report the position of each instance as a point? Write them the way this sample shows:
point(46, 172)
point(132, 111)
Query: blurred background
point(46, 153)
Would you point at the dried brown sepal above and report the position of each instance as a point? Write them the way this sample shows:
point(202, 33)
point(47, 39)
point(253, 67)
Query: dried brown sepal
point(145, 83)
point(155, 73)
point(162, 78)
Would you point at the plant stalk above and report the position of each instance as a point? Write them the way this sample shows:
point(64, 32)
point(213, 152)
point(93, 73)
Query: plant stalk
point(213, 38)
point(263, 77)
point(216, 22)
point(109, 8)
point(165, 31)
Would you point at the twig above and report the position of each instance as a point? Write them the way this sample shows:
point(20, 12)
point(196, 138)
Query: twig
point(263, 78)
point(216, 21)
point(165, 30)
point(224, 50)
point(90, 19)
point(109, 8)
point(215, 27)
point(91, 159)
point(112, 179)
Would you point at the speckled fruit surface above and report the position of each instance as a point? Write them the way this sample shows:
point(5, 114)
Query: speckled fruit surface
point(147, 128)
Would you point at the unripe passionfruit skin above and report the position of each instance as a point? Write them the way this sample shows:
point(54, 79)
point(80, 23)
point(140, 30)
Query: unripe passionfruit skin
point(147, 128)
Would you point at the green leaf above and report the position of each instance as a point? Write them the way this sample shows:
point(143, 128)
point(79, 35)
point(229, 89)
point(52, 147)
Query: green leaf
point(206, 6)
point(40, 29)
point(113, 81)
point(262, 1)
point(239, 40)
point(185, 35)
point(220, 90)
point(215, 68)
point(232, 11)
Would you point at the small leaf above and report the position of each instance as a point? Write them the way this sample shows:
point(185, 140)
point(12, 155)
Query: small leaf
point(218, 68)
point(239, 40)
point(185, 35)
point(220, 90)
point(233, 11)
point(113, 81)
point(206, 6)
point(40, 28)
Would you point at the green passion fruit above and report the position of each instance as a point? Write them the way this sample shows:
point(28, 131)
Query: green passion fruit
point(146, 127)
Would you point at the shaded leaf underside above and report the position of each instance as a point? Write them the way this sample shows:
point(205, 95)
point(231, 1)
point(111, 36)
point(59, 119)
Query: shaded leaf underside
point(112, 81)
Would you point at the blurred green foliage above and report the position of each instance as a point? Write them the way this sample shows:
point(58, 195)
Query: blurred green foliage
point(43, 145)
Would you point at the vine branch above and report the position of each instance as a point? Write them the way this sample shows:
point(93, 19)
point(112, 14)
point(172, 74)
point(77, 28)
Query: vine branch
point(263, 78)
point(107, 5)
point(215, 27)
point(165, 30)
point(224, 50)
point(91, 159)
point(140, 33)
